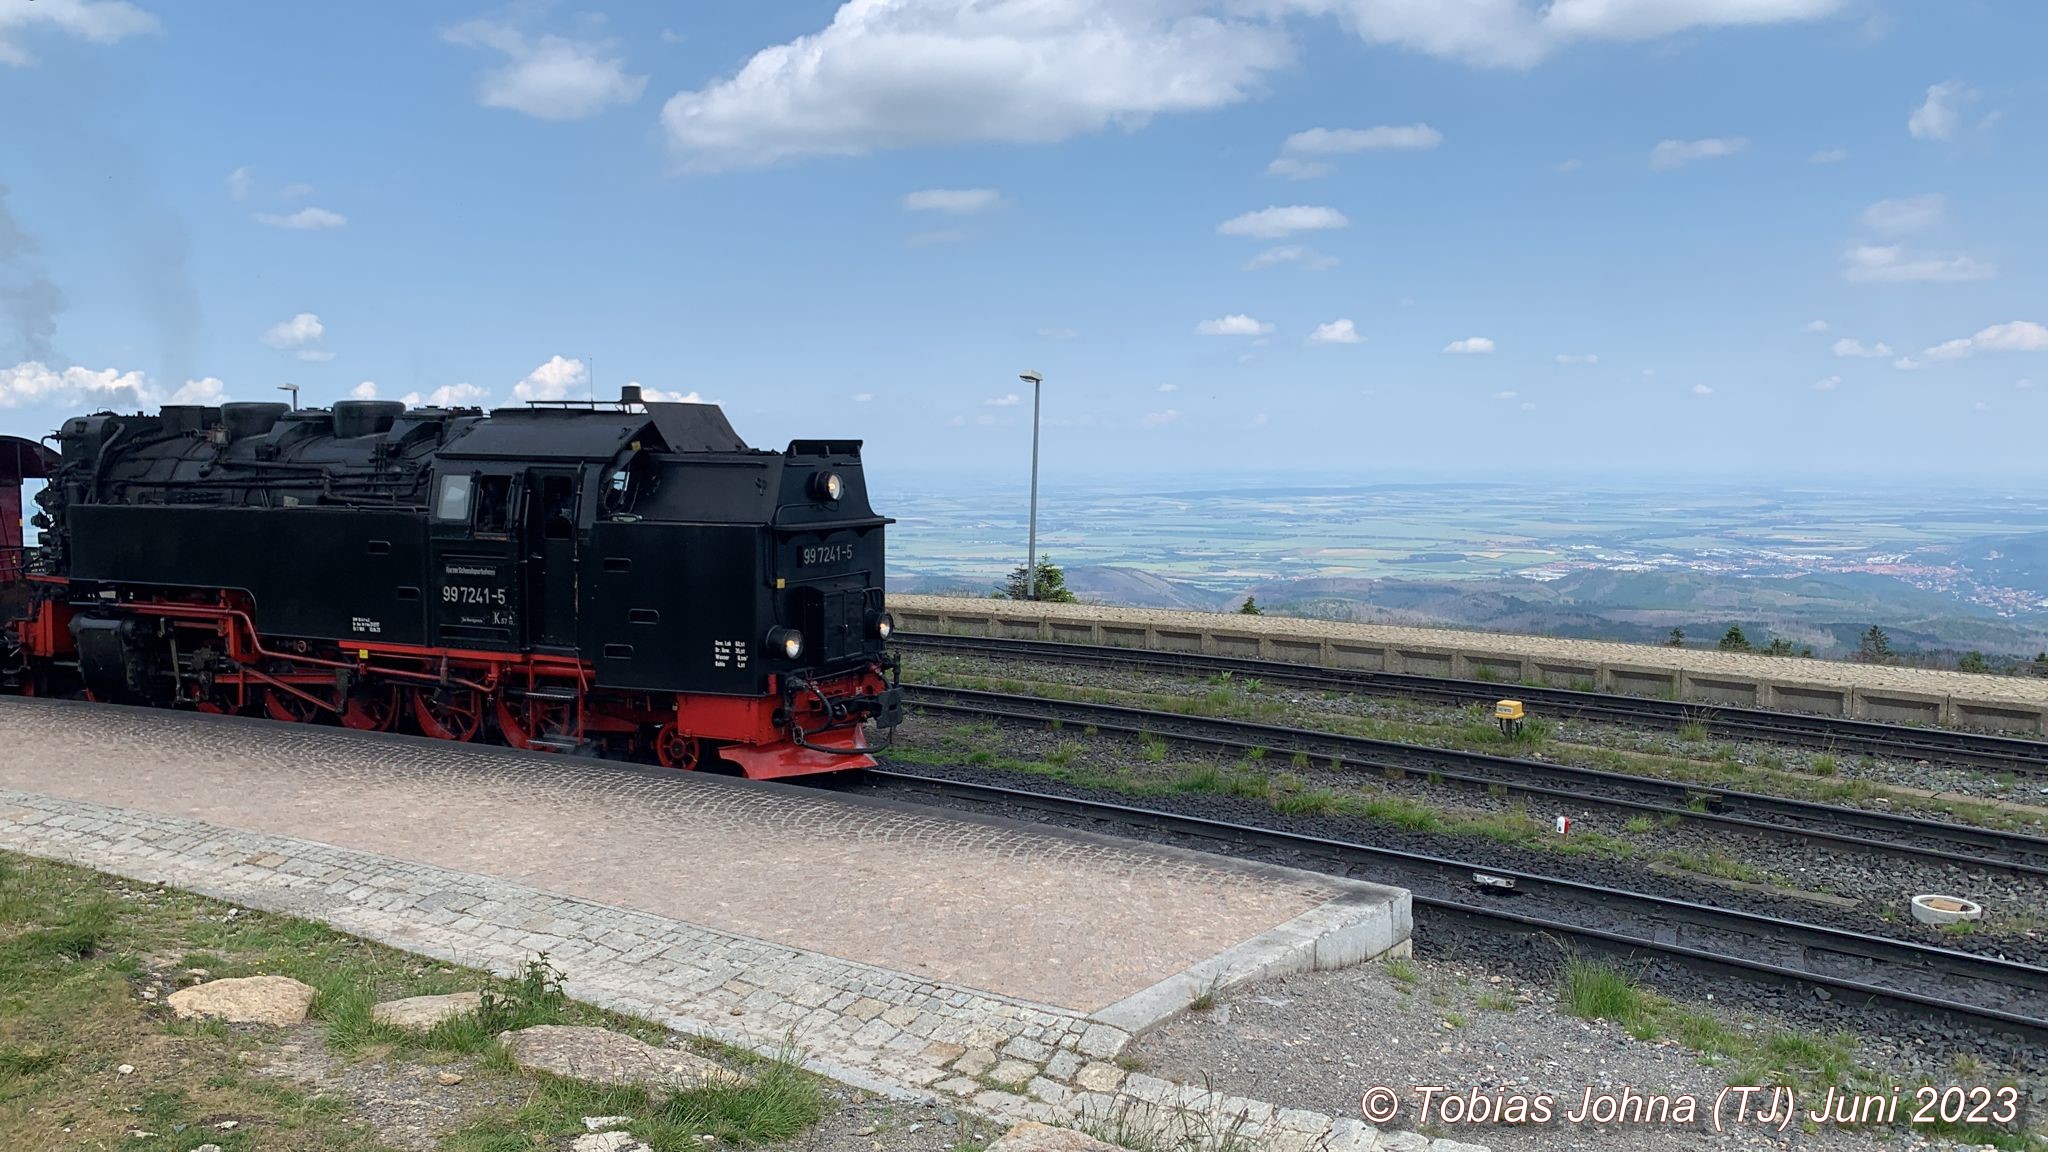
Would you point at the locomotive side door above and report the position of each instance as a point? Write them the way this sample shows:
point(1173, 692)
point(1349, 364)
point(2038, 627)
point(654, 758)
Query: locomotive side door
point(473, 553)
point(551, 527)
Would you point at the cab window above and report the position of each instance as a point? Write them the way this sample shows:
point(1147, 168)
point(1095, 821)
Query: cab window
point(451, 501)
point(493, 505)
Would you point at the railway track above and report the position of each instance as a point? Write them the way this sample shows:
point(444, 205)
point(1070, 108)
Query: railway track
point(1850, 829)
point(1835, 733)
point(1986, 992)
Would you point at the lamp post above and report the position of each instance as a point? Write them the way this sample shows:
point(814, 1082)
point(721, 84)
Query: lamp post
point(294, 390)
point(1031, 548)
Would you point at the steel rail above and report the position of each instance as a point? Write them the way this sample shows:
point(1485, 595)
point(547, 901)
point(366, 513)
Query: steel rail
point(1835, 733)
point(1970, 847)
point(1814, 942)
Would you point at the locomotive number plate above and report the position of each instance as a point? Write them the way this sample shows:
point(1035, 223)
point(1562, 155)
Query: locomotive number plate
point(824, 554)
point(471, 594)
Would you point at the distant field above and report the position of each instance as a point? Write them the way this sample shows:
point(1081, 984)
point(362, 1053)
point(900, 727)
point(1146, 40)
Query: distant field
point(1947, 567)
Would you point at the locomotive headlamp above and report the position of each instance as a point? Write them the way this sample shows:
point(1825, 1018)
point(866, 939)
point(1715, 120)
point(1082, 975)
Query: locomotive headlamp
point(881, 624)
point(787, 643)
point(828, 486)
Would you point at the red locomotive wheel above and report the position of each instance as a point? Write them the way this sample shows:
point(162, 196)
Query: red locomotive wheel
point(457, 714)
point(371, 710)
point(676, 750)
point(290, 707)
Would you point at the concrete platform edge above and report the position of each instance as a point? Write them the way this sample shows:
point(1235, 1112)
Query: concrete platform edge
point(1354, 928)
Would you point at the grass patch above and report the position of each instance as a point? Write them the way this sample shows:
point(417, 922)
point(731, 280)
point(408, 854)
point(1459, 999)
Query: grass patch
point(77, 949)
point(1807, 1062)
point(777, 1103)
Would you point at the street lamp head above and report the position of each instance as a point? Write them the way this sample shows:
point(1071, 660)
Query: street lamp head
point(1031, 378)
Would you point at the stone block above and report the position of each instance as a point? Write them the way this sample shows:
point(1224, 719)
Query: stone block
point(278, 1001)
point(419, 1013)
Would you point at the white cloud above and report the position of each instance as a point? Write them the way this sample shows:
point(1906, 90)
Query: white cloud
point(1277, 221)
point(1827, 383)
point(1518, 33)
point(314, 355)
point(927, 239)
point(1670, 154)
point(1009, 400)
point(904, 73)
point(1337, 141)
point(1159, 419)
point(1702, 390)
point(2017, 336)
point(1058, 334)
point(304, 220)
point(1474, 345)
point(1828, 156)
point(94, 21)
point(549, 77)
point(1848, 347)
point(960, 201)
point(1169, 387)
point(1336, 332)
point(558, 379)
point(302, 329)
point(1881, 264)
point(207, 391)
point(1297, 169)
point(32, 382)
point(658, 396)
point(464, 395)
point(1911, 214)
point(1258, 421)
point(1528, 406)
point(1571, 165)
point(1235, 324)
point(863, 397)
point(367, 390)
point(1505, 395)
point(1577, 358)
point(2023, 384)
point(1980, 406)
point(295, 191)
point(239, 183)
point(1816, 326)
point(1905, 364)
point(1291, 254)
point(1941, 111)
point(914, 72)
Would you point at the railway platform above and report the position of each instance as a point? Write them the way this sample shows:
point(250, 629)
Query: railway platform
point(897, 948)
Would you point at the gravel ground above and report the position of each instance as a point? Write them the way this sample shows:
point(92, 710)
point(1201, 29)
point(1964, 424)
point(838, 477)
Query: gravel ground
point(1925, 1047)
point(1813, 883)
point(1570, 742)
point(1321, 1040)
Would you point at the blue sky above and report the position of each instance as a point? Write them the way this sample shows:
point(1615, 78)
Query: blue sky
point(1716, 237)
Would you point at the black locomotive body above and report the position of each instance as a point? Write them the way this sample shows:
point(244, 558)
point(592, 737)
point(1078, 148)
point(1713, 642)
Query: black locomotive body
point(625, 577)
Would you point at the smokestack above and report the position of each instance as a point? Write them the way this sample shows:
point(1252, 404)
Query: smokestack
point(629, 394)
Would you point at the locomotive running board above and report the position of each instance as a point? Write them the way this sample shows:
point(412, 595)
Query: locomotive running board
point(773, 761)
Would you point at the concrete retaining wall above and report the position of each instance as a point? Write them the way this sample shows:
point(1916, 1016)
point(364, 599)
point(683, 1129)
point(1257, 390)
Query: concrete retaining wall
point(1831, 688)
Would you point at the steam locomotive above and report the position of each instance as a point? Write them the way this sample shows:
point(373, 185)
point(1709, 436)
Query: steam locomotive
point(627, 578)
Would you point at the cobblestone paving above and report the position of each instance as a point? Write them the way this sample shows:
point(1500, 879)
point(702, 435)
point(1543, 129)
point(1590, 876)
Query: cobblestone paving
point(988, 905)
point(863, 1025)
